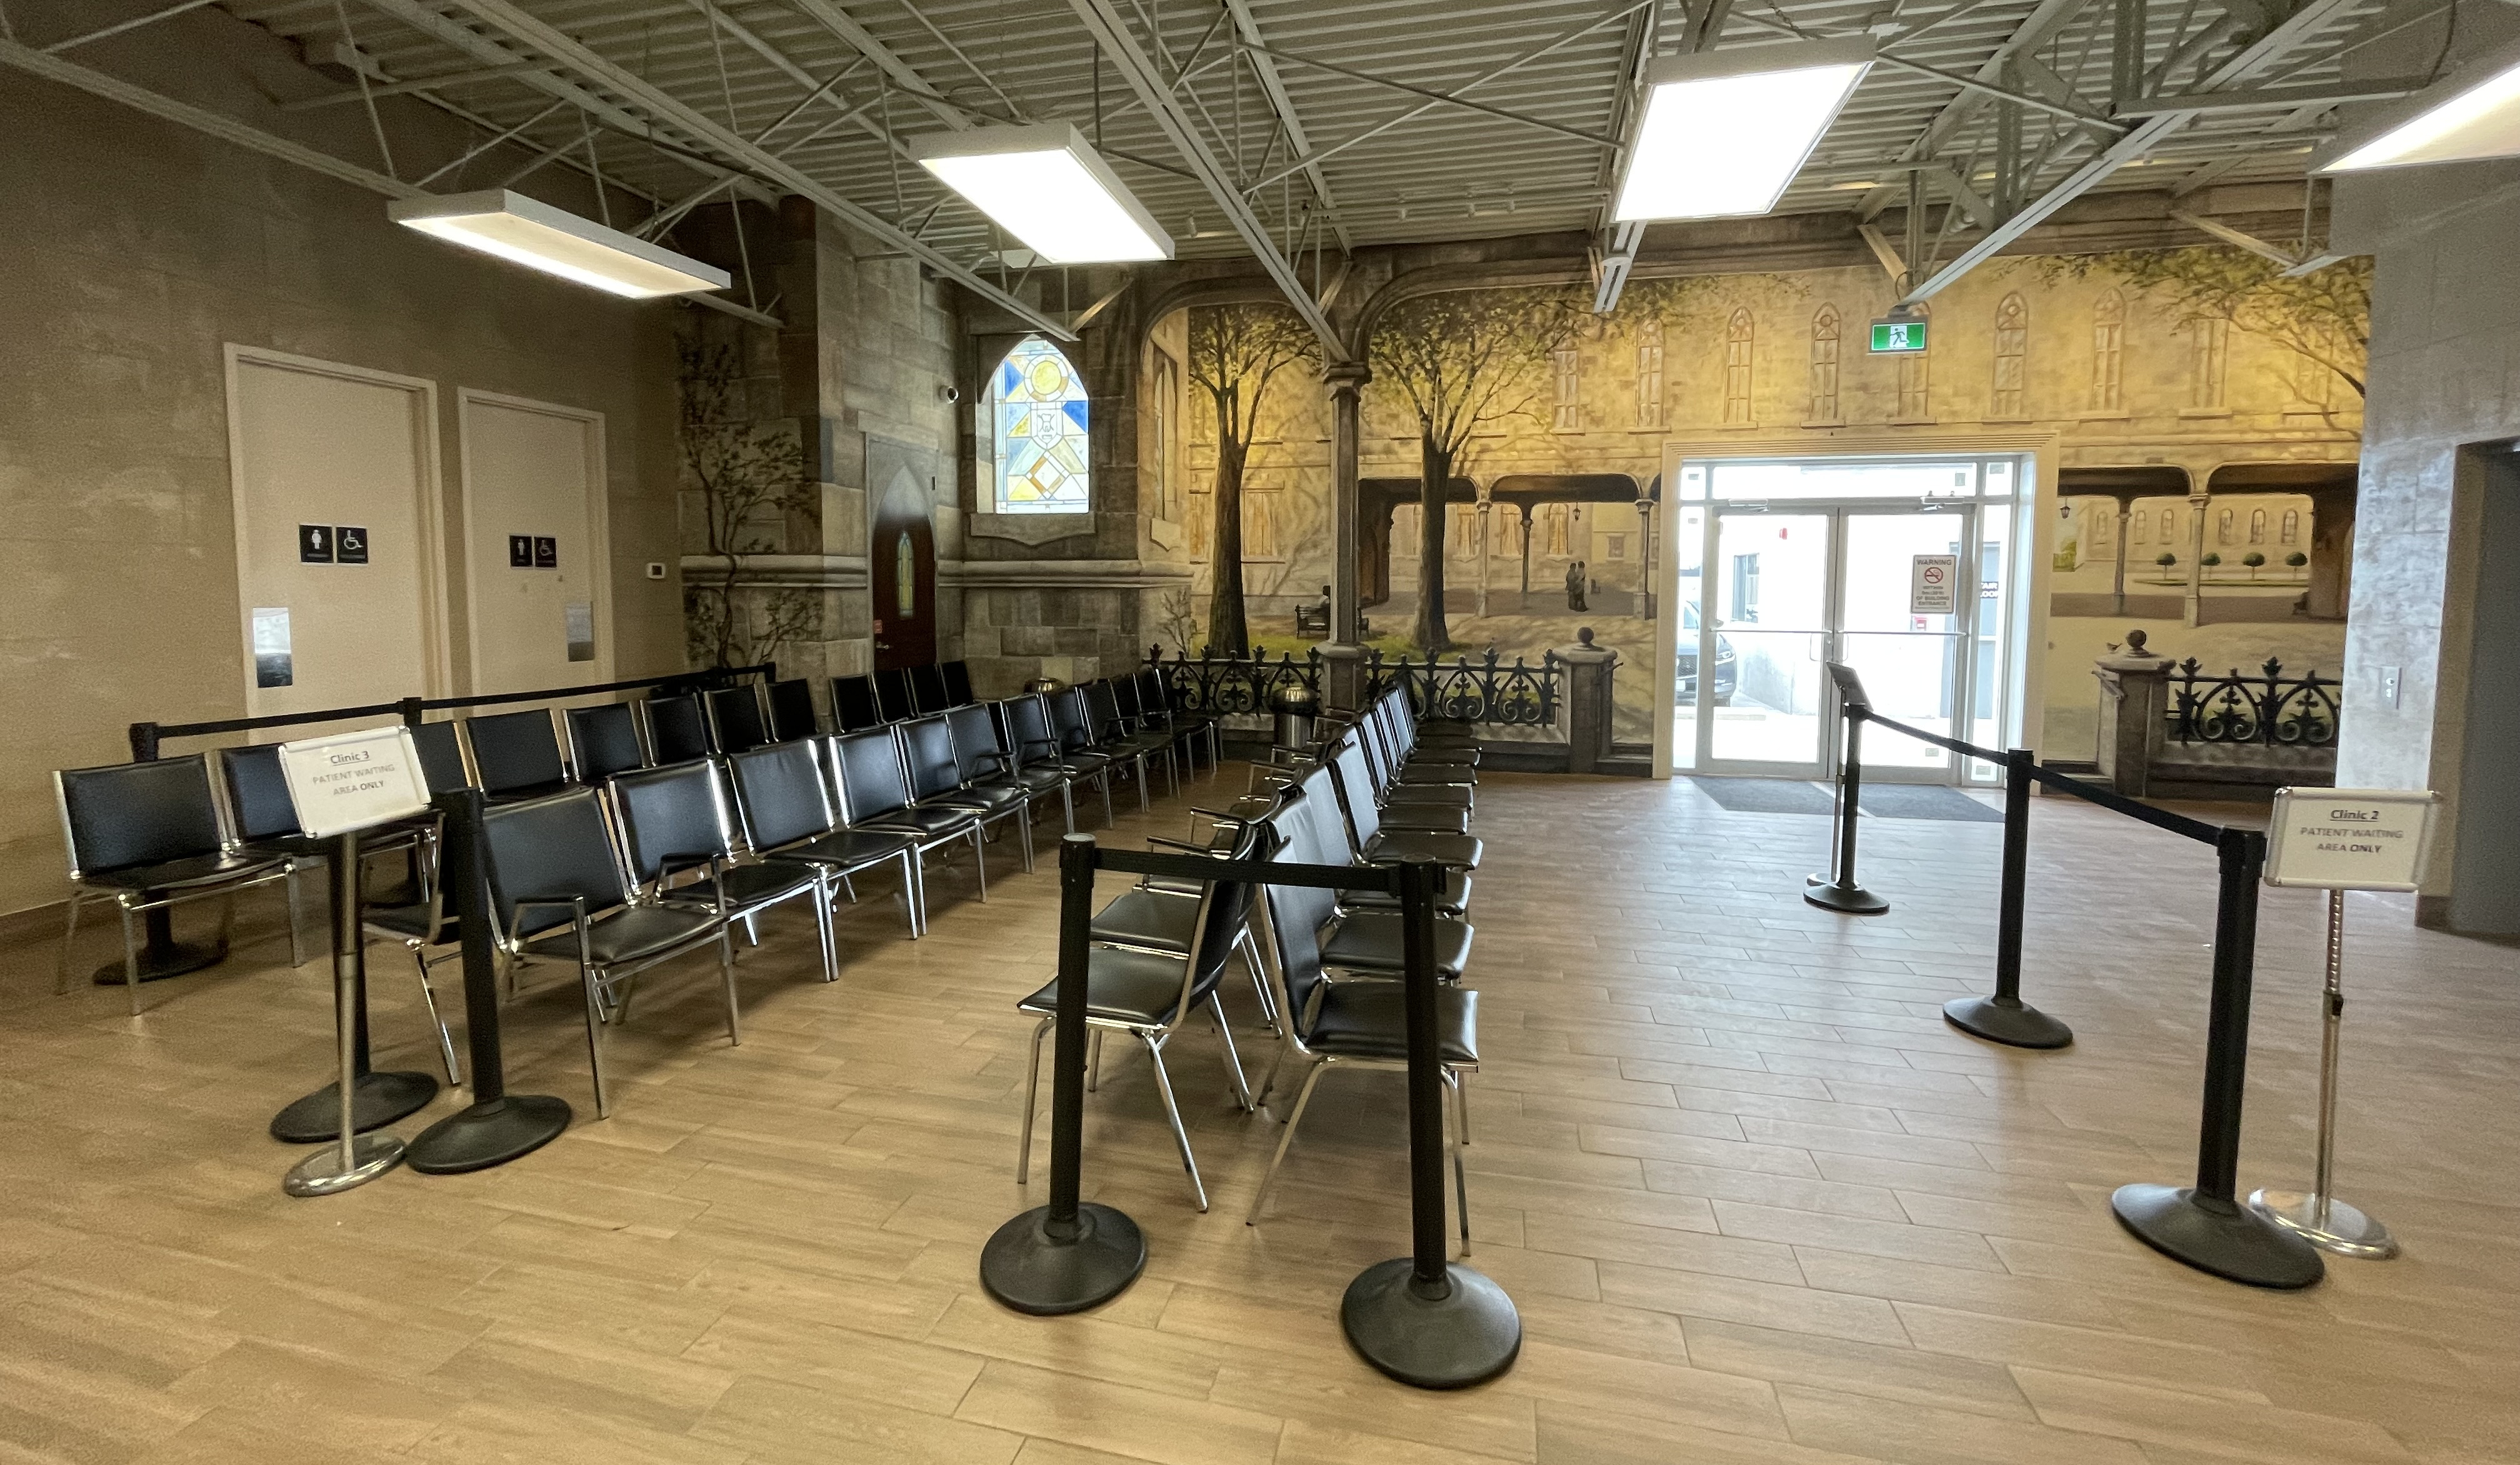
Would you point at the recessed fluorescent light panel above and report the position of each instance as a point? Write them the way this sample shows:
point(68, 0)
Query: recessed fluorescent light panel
point(2470, 116)
point(555, 241)
point(1723, 132)
point(1047, 186)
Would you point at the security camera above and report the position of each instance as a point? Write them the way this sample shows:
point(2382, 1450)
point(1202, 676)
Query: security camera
point(948, 393)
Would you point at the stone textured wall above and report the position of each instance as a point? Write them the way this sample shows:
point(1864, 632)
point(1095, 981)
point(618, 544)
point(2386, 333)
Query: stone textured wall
point(142, 250)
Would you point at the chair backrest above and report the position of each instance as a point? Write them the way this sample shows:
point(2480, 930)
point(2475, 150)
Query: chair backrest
point(1074, 720)
point(127, 814)
point(550, 849)
point(979, 749)
point(957, 682)
point(791, 710)
point(1224, 906)
point(927, 690)
point(1354, 786)
point(1029, 730)
point(734, 717)
point(1102, 705)
point(1296, 939)
point(441, 757)
point(1309, 834)
point(892, 697)
point(853, 708)
point(778, 790)
point(677, 733)
point(867, 767)
point(603, 741)
point(257, 793)
point(515, 750)
point(672, 819)
point(1124, 694)
point(1155, 689)
point(927, 749)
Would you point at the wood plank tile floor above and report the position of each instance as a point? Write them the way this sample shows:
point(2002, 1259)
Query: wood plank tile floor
point(1756, 1200)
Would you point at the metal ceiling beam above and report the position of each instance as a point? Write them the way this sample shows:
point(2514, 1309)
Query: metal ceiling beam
point(119, 27)
point(416, 84)
point(2276, 97)
point(621, 82)
point(2306, 21)
point(1144, 79)
point(837, 22)
point(2037, 29)
point(1597, 139)
point(2237, 238)
point(1272, 86)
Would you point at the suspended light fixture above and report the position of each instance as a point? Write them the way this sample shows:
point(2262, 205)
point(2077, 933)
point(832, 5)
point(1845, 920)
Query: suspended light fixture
point(1722, 133)
point(531, 232)
point(2466, 118)
point(1048, 186)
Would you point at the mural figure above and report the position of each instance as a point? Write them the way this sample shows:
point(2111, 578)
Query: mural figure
point(1575, 586)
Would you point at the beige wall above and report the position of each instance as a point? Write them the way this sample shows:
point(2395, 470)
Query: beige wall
point(139, 250)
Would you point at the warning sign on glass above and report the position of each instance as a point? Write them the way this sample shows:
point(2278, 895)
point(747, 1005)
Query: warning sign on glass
point(1933, 585)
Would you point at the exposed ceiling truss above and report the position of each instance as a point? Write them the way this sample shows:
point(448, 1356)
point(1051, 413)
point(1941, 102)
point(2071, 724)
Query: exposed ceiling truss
point(1294, 131)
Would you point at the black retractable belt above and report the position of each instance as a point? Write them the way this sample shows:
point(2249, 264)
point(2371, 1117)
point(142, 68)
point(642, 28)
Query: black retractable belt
point(499, 1126)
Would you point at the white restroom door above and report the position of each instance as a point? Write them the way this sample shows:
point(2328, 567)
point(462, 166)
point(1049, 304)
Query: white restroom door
point(534, 473)
point(318, 446)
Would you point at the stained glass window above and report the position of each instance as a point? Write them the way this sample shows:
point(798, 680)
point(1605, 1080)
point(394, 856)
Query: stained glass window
point(1040, 409)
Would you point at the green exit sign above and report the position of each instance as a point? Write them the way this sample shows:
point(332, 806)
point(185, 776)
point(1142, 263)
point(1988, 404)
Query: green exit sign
point(1895, 337)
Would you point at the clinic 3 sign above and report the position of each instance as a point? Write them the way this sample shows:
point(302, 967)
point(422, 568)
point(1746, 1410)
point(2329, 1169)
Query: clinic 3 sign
point(351, 781)
point(2349, 838)
point(1933, 585)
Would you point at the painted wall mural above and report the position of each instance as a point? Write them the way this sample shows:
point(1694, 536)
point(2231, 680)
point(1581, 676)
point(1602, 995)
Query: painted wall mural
point(1544, 427)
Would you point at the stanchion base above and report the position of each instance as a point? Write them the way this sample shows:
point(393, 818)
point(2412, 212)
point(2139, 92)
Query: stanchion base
point(2015, 1023)
point(321, 1173)
point(1845, 899)
point(1467, 1336)
point(2345, 1231)
point(1029, 1270)
point(2217, 1236)
point(488, 1133)
point(381, 1098)
point(159, 961)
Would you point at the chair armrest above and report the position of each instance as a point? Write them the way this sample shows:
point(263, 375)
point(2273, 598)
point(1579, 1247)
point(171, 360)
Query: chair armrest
point(1183, 845)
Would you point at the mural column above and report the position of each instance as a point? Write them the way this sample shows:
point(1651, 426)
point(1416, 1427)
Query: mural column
point(1485, 508)
point(2196, 504)
point(1345, 381)
point(1644, 553)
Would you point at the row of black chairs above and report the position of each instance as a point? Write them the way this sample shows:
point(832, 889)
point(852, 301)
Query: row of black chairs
point(1379, 789)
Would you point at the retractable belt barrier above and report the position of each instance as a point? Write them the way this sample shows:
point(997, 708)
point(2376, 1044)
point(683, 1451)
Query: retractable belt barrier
point(2204, 1225)
point(1421, 1318)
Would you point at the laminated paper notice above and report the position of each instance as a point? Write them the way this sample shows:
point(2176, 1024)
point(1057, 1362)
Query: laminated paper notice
point(271, 661)
point(580, 615)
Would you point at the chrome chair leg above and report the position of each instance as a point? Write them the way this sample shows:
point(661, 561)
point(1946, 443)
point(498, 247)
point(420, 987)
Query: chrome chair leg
point(1106, 796)
point(1232, 1058)
point(1268, 1181)
point(914, 864)
point(980, 858)
point(1068, 805)
point(1032, 1097)
point(1094, 1063)
point(726, 973)
point(1462, 1091)
point(595, 1039)
point(69, 939)
point(1461, 1177)
point(1141, 767)
point(130, 960)
point(1024, 835)
point(824, 929)
point(752, 930)
point(1172, 1111)
point(445, 1039)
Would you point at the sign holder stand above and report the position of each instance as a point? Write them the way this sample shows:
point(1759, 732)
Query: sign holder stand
point(2317, 1215)
point(353, 1159)
point(377, 1098)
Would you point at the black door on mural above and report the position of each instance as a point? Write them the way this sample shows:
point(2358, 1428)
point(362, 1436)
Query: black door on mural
point(902, 572)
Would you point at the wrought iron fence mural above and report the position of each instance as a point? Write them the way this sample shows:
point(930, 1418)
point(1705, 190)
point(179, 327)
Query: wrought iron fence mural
point(1483, 690)
point(2266, 708)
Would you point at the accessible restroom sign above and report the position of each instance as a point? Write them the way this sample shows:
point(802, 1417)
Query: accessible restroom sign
point(2349, 838)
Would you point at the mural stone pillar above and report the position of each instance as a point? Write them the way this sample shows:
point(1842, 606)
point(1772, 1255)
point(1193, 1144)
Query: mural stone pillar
point(1644, 554)
point(1345, 381)
point(2196, 506)
point(2135, 702)
point(1485, 508)
point(1589, 702)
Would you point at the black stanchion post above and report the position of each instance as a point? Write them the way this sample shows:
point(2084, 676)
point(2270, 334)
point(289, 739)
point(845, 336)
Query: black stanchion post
point(2005, 1017)
point(379, 1098)
point(356, 1158)
point(2205, 1226)
point(1067, 1256)
point(1424, 1318)
point(1840, 892)
point(499, 1126)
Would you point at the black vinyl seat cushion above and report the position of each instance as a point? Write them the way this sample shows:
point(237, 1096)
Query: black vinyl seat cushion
point(630, 934)
point(1136, 987)
point(528, 793)
point(1162, 920)
point(928, 821)
point(1455, 900)
point(745, 885)
point(411, 922)
point(176, 874)
point(1394, 846)
point(991, 798)
point(849, 846)
point(1373, 941)
point(1369, 1020)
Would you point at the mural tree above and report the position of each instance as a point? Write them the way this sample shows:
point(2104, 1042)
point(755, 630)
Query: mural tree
point(1235, 352)
point(750, 477)
point(2324, 315)
point(1464, 359)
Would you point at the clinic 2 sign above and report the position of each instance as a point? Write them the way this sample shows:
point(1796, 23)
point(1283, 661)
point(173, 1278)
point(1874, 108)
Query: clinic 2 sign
point(331, 544)
point(1894, 337)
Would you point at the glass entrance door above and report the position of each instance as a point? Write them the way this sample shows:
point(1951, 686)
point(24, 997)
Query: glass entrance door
point(1911, 664)
point(1768, 577)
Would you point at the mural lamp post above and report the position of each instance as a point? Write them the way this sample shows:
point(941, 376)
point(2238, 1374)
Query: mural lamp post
point(1644, 553)
point(1485, 508)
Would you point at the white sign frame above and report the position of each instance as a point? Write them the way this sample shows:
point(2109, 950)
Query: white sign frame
point(353, 781)
point(2308, 844)
point(1926, 599)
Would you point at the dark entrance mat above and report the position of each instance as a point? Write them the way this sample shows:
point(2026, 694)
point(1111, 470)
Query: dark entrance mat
point(1926, 801)
point(1766, 795)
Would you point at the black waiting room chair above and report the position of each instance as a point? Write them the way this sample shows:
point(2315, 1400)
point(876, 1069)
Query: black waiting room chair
point(1035, 734)
point(876, 794)
point(987, 761)
point(265, 821)
point(147, 836)
point(927, 691)
point(788, 818)
point(853, 708)
point(675, 822)
point(791, 711)
point(441, 757)
point(928, 749)
point(677, 730)
point(559, 893)
point(603, 741)
point(515, 756)
point(892, 696)
point(735, 718)
point(957, 682)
